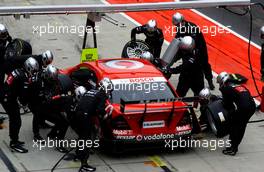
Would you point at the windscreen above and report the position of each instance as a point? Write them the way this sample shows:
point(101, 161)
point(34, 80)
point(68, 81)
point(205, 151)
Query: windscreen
point(141, 89)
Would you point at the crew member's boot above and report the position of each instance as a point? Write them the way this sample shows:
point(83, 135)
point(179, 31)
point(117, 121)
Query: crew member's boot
point(17, 146)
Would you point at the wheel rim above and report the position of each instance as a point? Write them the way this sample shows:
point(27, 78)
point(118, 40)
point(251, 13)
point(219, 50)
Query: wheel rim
point(137, 50)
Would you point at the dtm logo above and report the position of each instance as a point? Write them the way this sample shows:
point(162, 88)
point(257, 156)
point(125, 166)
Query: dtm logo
point(124, 64)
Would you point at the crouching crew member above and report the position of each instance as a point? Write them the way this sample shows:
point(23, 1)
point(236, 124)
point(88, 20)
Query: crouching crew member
point(86, 106)
point(49, 105)
point(245, 108)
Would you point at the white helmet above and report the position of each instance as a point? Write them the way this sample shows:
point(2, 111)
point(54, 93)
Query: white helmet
point(47, 58)
point(147, 56)
point(187, 43)
point(31, 65)
point(222, 78)
point(151, 25)
point(177, 18)
point(79, 92)
point(3, 32)
point(205, 93)
point(262, 32)
point(106, 85)
point(51, 72)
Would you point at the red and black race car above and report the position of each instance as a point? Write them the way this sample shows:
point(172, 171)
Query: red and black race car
point(146, 106)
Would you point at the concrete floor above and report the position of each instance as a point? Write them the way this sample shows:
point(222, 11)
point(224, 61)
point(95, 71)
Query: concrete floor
point(111, 39)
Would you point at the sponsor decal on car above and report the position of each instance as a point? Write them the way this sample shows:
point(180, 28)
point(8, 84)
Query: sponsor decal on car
point(183, 128)
point(124, 64)
point(122, 132)
point(154, 124)
point(182, 133)
point(138, 80)
point(160, 136)
point(125, 137)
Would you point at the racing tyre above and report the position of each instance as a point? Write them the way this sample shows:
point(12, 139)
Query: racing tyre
point(27, 48)
point(134, 49)
point(18, 47)
point(218, 118)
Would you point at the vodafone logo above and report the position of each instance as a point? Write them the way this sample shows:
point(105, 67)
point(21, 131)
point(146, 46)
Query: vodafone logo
point(139, 138)
point(124, 64)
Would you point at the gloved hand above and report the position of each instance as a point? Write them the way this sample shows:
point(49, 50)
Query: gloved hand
point(166, 72)
point(211, 85)
point(109, 109)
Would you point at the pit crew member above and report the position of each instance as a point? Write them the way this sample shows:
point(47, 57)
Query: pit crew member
point(186, 28)
point(17, 86)
point(238, 95)
point(86, 105)
point(49, 105)
point(154, 36)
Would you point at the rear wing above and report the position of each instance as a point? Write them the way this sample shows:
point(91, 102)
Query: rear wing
point(123, 103)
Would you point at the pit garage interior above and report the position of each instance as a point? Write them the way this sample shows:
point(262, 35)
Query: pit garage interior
point(114, 33)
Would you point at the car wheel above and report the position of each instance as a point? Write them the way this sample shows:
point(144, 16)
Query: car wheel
point(135, 50)
point(27, 48)
point(218, 118)
point(211, 122)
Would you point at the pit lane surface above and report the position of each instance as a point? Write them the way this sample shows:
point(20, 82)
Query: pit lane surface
point(111, 39)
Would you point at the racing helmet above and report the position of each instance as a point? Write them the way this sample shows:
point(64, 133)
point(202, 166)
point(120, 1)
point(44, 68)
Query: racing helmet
point(79, 92)
point(151, 25)
point(205, 93)
point(222, 78)
point(147, 56)
point(106, 85)
point(31, 66)
point(177, 18)
point(3, 32)
point(262, 32)
point(187, 43)
point(51, 72)
point(47, 58)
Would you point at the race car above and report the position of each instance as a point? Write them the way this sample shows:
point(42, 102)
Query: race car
point(147, 108)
